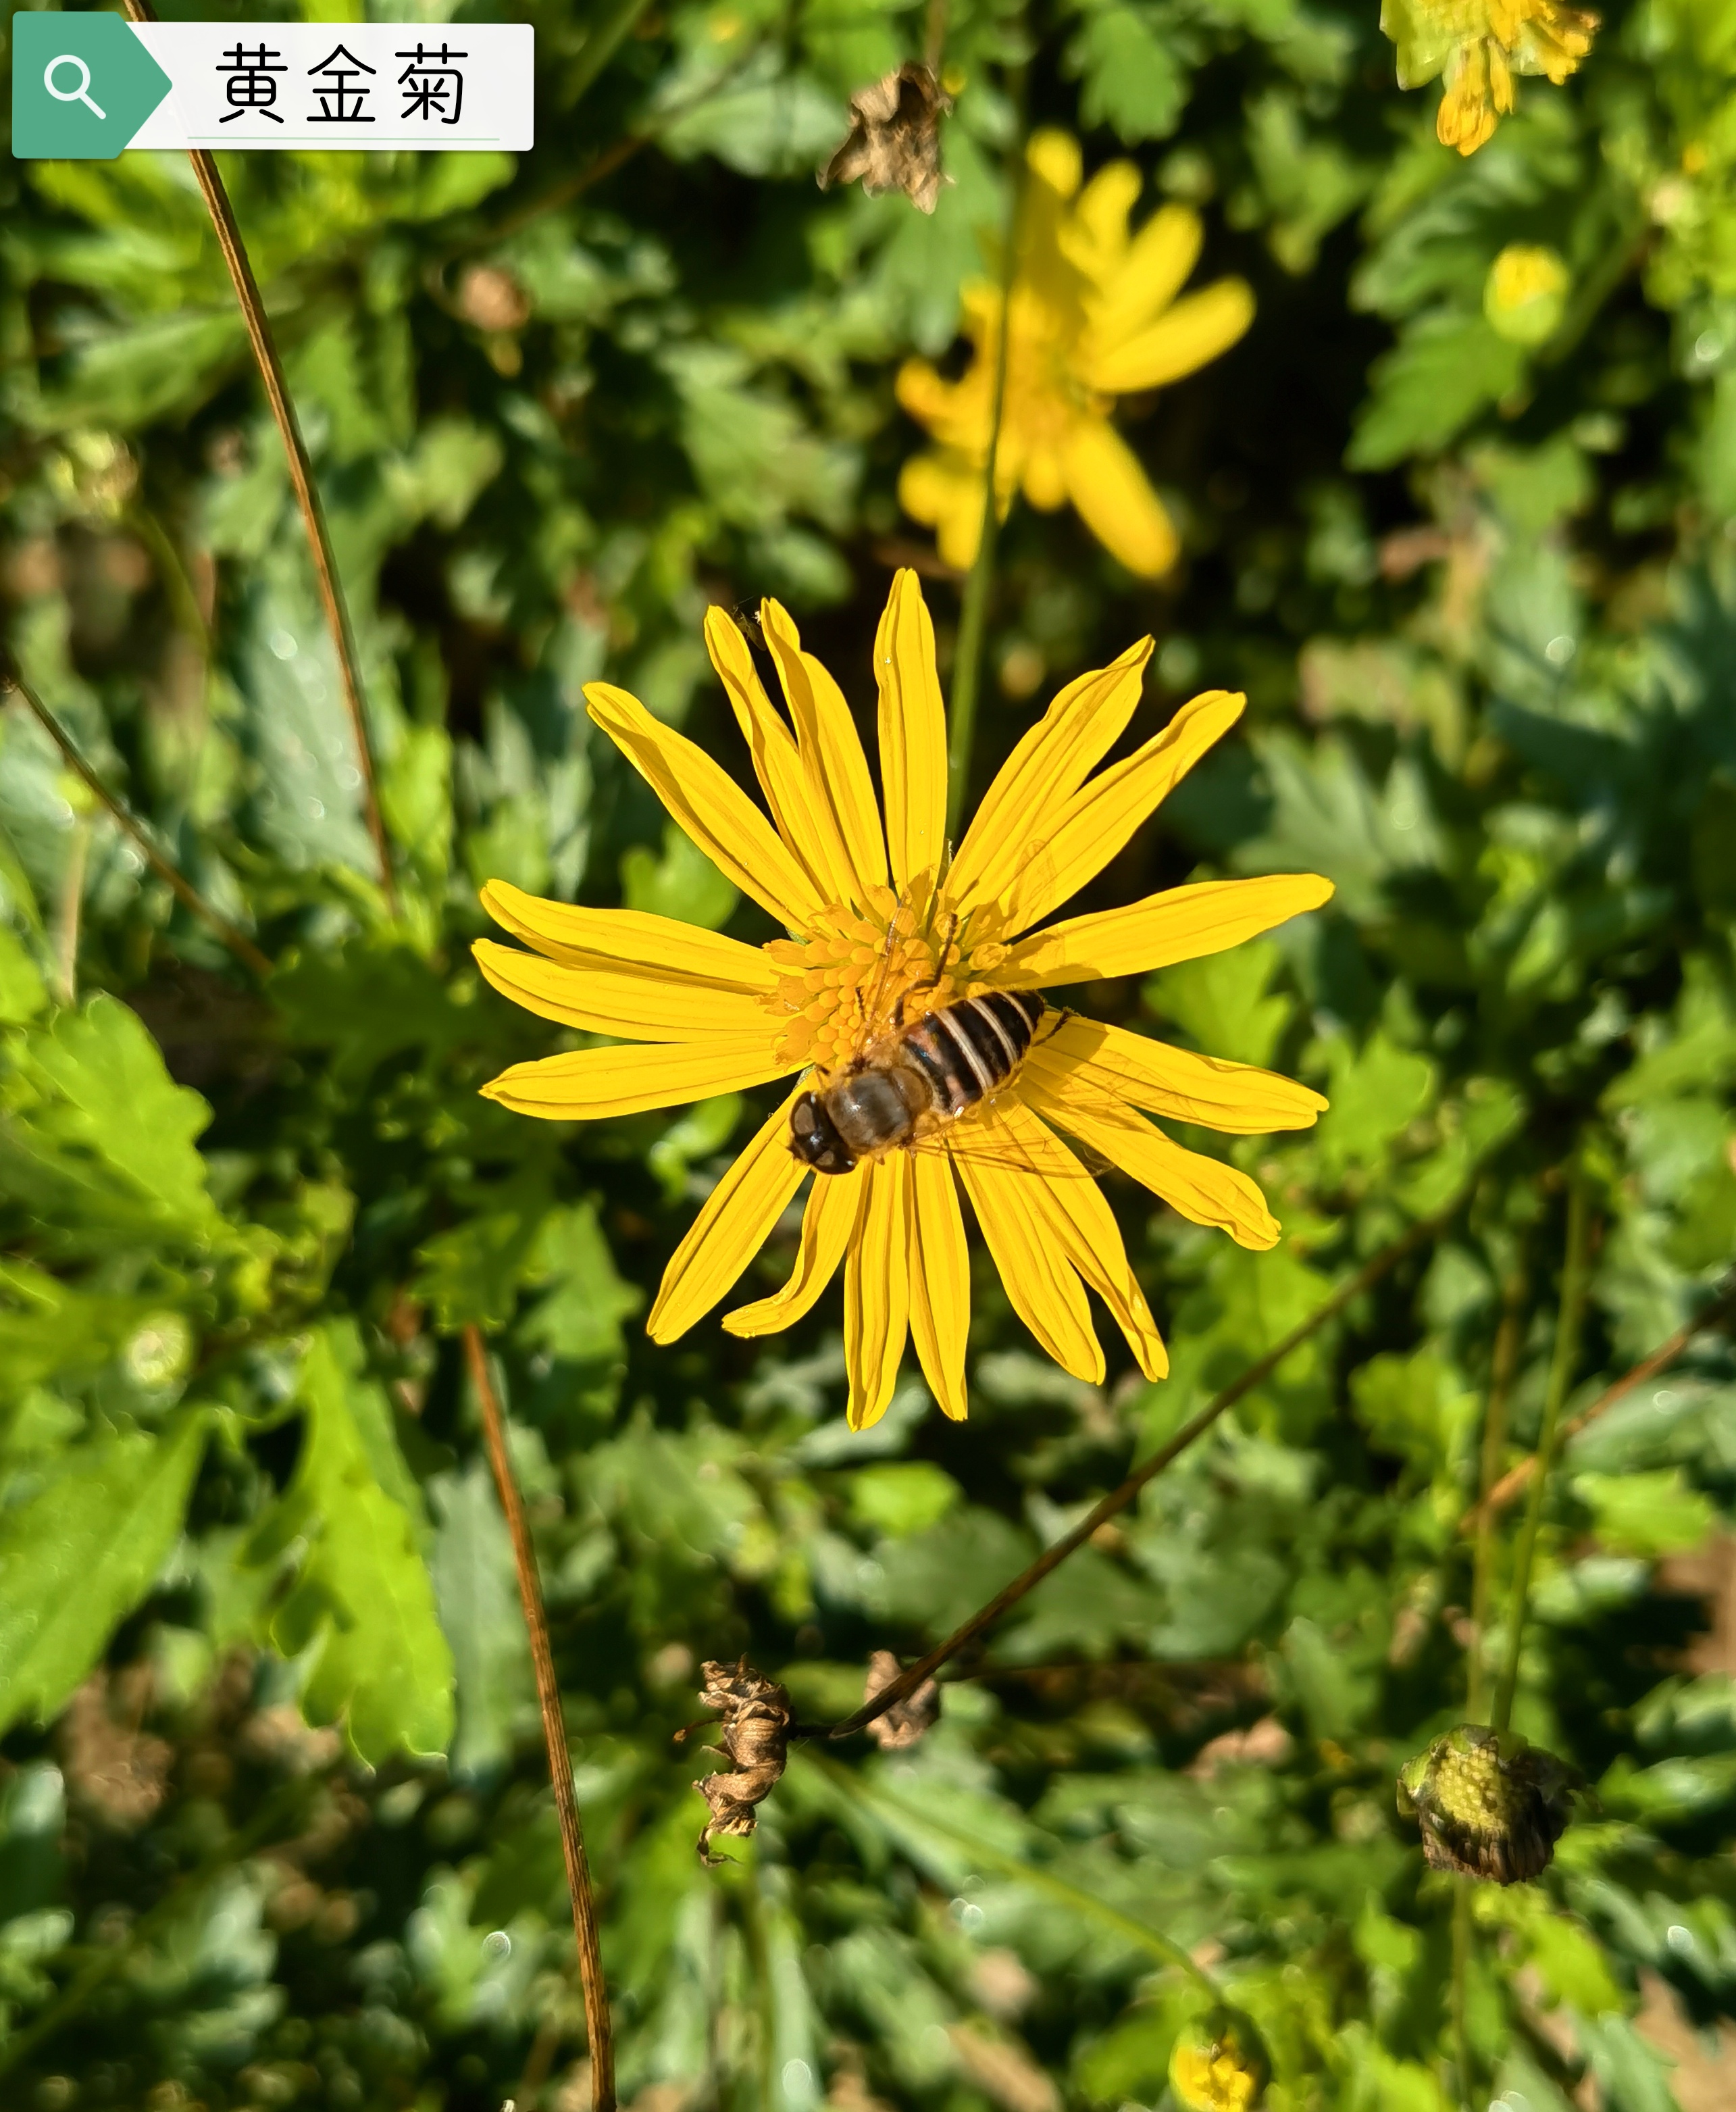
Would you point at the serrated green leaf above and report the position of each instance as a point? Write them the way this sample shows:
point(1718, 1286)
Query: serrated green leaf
point(78, 1557)
point(362, 1603)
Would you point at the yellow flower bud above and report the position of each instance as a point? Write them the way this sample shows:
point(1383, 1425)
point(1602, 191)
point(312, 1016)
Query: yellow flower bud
point(1525, 294)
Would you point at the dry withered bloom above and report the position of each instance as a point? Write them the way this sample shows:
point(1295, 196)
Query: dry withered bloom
point(906, 1721)
point(1489, 1804)
point(756, 1718)
point(114, 1767)
point(893, 142)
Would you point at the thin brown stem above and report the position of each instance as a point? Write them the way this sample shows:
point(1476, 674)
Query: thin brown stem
point(1118, 1500)
point(1503, 1364)
point(301, 476)
point(1660, 1360)
point(237, 941)
point(1575, 1275)
point(597, 2025)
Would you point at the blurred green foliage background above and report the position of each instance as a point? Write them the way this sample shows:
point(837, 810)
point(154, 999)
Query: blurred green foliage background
point(274, 1823)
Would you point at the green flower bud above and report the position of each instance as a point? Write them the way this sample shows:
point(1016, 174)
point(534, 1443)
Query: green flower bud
point(1218, 2062)
point(1489, 1804)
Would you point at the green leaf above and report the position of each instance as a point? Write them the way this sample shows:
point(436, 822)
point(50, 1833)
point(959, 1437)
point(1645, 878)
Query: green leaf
point(1375, 1092)
point(585, 1300)
point(1646, 1514)
point(1444, 369)
point(23, 993)
point(477, 1589)
point(1222, 1004)
point(901, 1497)
point(77, 1558)
point(1134, 65)
point(681, 883)
point(362, 1603)
point(470, 1274)
point(106, 1137)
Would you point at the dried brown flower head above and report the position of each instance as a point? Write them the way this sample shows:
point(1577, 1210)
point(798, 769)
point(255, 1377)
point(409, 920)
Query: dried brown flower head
point(757, 1717)
point(906, 1721)
point(492, 299)
point(893, 142)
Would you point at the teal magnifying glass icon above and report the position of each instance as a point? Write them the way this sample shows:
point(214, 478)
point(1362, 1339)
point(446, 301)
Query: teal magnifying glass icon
point(81, 93)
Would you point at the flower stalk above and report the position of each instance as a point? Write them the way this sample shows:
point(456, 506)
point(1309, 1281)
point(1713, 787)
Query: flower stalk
point(598, 2029)
point(330, 588)
point(973, 618)
point(1503, 1364)
point(1574, 1277)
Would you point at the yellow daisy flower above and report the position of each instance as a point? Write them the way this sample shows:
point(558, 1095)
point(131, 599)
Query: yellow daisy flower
point(881, 919)
point(1093, 314)
point(1479, 45)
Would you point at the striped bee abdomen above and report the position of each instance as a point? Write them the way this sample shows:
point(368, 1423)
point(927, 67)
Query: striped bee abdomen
point(970, 1048)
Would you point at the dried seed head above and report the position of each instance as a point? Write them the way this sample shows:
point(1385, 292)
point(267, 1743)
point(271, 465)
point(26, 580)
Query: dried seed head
point(757, 1717)
point(1489, 1804)
point(1218, 2062)
point(904, 1723)
point(893, 143)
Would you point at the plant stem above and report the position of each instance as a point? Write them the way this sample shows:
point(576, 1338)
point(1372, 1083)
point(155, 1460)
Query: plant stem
point(301, 476)
point(973, 615)
point(1574, 1276)
point(1462, 1933)
point(1502, 1365)
point(598, 2026)
point(1118, 1500)
point(1661, 1358)
point(237, 941)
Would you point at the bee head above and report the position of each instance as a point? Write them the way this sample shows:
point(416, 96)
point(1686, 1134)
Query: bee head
point(814, 1137)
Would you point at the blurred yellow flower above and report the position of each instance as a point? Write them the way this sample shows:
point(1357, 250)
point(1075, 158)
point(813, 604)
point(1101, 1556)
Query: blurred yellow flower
point(1526, 294)
point(1094, 316)
point(691, 1014)
point(1479, 45)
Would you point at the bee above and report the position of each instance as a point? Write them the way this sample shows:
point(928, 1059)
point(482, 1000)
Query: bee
point(913, 1082)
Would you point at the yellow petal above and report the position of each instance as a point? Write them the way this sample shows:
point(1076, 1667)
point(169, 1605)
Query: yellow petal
point(913, 734)
point(588, 1083)
point(1045, 1290)
point(1115, 502)
point(1084, 1228)
point(944, 492)
point(1152, 272)
point(833, 1204)
point(1056, 160)
point(1195, 330)
point(1096, 821)
point(1095, 238)
point(1111, 1064)
point(789, 780)
point(1201, 1189)
point(832, 748)
point(877, 1291)
point(654, 945)
point(612, 1000)
point(1051, 762)
point(705, 801)
point(729, 1230)
point(1179, 924)
point(939, 1282)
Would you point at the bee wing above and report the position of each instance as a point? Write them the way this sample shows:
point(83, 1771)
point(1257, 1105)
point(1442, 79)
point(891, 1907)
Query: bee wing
point(1009, 1152)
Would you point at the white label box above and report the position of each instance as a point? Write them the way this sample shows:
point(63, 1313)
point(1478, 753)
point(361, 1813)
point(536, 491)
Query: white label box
point(265, 86)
